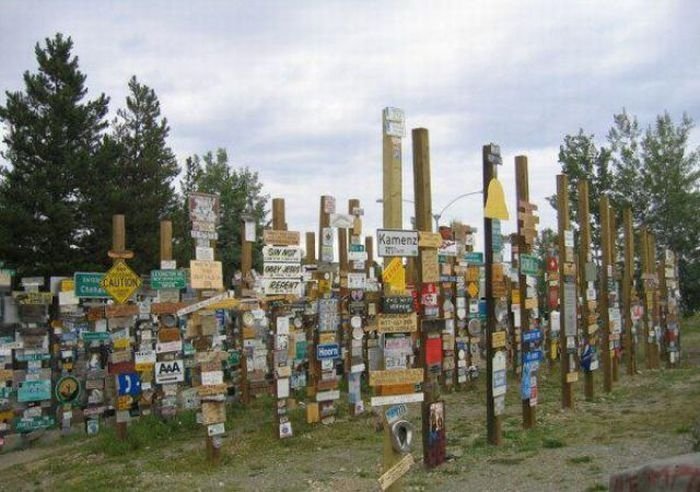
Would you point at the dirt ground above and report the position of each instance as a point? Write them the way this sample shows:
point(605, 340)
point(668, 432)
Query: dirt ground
point(647, 416)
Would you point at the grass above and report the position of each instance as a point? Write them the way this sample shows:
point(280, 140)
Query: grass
point(577, 460)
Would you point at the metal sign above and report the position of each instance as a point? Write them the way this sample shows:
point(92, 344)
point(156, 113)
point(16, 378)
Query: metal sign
point(120, 282)
point(281, 254)
point(87, 285)
point(172, 371)
point(394, 242)
point(204, 207)
point(168, 279)
point(529, 264)
point(128, 384)
point(67, 389)
point(34, 391)
point(327, 351)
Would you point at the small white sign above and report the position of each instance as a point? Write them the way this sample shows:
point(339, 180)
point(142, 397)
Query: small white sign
point(211, 378)
point(328, 395)
point(392, 242)
point(168, 264)
point(379, 401)
point(356, 281)
point(175, 346)
point(342, 221)
point(204, 253)
point(172, 371)
point(216, 429)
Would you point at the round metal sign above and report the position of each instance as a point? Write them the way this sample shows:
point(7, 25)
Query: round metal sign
point(474, 327)
point(67, 389)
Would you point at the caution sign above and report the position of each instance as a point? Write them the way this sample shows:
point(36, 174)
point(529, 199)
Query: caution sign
point(120, 282)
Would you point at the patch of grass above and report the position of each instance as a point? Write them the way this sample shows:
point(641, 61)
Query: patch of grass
point(597, 487)
point(577, 460)
point(550, 443)
point(506, 461)
point(682, 429)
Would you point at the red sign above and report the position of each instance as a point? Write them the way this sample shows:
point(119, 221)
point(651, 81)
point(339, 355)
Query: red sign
point(433, 351)
point(552, 264)
point(122, 367)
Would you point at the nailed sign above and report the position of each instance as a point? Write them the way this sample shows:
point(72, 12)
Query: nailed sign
point(172, 371)
point(204, 207)
point(394, 242)
point(397, 323)
point(168, 279)
point(282, 270)
point(281, 238)
point(206, 274)
point(281, 254)
point(88, 285)
point(120, 282)
point(396, 376)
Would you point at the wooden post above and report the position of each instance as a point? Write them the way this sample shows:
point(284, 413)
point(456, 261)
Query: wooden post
point(279, 222)
point(662, 303)
point(310, 242)
point(656, 364)
point(369, 248)
point(323, 221)
point(566, 265)
point(627, 281)
point(613, 264)
point(392, 178)
point(119, 245)
point(605, 268)
point(587, 314)
point(522, 195)
point(166, 240)
point(647, 295)
point(493, 421)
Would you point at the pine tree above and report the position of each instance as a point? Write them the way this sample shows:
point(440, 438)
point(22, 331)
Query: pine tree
point(52, 136)
point(140, 180)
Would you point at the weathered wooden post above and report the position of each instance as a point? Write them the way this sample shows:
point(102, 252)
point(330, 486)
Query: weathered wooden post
point(606, 269)
point(119, 253)
point(495, 340)
point(530, 334)
point(656, 363)
point(587, 279)
point(614, 305)
point(567, 293)
point(627, 282)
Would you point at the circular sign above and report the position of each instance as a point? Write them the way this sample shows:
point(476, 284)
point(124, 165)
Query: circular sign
point(247, 319)
point(462, 354)
point(67, 389)
point(297, 322)
point(461, 313)
point(356, 322)
point(169, 320)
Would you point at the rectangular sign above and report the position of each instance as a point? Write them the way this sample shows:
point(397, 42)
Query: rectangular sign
point(283, 270)
point(379, 401)
point(281, 238)
point(327, 351)
point(474, 258)
point(394, 413)
point(398, 376)
point(172, 371)
point(396, 471)
point(273, 286)
point(87, 285)
point(34, 391)
point(203, 207)
point(206, 274)
point(429, 239)
point(529, 265)
point(204, 253)
point(341, 221)
point(395, 242)
point(281, 254)
point(397, 323)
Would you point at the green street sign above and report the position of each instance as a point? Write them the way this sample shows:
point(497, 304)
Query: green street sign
point(95, 336)
point(356, 248)
point(168, 279)
point(87, 285)
point(34, 423)
point(34, 391)
point(529, 265)
point(474, 258)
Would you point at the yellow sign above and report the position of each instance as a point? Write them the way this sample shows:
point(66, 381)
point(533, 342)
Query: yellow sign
point(396, 376)
point(498, 339)
point(120, 282)
point(472, 289)
point(429, 239)
point(67, 285)
point(394, 275)
point(495, 207)
point(430, 267)
point(206, 274)
point(397, 323)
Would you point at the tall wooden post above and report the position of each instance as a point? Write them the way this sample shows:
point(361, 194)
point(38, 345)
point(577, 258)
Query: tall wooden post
point(493, 421)
point(606, 269)
point(279, 222)
point(567, 276)
point(324, 221)
point(522, 195)
point(615, 340)
point(647, 296)
point(392, 175)
point(369, 248)
point(656, 364)
point(627, 281)
point(119, 246)
point(588, 315)
point(310, 242)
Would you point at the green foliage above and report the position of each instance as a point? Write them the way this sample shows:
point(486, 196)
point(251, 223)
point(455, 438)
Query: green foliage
point(652, 172)
point(240, 192)
point(52, 136)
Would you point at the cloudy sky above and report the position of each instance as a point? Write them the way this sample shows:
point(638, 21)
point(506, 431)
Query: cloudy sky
point(294, 90)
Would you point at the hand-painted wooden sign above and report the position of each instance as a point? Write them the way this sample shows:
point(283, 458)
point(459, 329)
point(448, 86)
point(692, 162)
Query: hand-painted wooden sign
point(281, 238)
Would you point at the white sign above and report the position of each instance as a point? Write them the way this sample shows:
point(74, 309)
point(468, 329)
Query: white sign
point(165, 347)
point(145, 357)
point(356, 281)
point(282, 270)
point(342, 221)
point(273, 286)
point(211, 378)
point(250, 235)
point(206, 302)
point(328, 395)
point(394, 242)
point(172, 371)
point(212, 236)
point(168, 264)
point(378, 401)
point(568, 239)
point(216, 429)
point(204, 253)
point(281, 254)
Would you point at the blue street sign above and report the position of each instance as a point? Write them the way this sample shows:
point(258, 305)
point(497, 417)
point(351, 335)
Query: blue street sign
point(128, 384)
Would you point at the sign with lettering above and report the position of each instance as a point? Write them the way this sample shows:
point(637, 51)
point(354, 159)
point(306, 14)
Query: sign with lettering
point(204, 207)
point(281, 238)
point(396, 376)
point(283, 270)
point(394, 275)
point(274, 286)
point(88, 285)
point(397, 304)
point(206, 274)
point(327, 351)
point(529, 264)
point(429, 239)
point(474, 258)
point(281, 254)
point(168, 279)
point(120, 282)
point(395, 242)
point(34, 391)
point(172, 371)
point(397, 323)
point(396, 471)
point(34, 423)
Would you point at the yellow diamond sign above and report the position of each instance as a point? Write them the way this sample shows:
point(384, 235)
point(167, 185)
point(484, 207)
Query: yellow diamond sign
point(472, 289)
point(120, 282)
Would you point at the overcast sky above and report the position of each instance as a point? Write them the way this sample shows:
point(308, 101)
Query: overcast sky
point(294, 90)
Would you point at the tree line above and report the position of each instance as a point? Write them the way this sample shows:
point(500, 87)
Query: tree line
point(71, 169)
point(654, 172)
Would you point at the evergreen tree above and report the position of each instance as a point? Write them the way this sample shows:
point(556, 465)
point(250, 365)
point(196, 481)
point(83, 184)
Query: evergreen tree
point(140, 180)
point(52, 136)
point(240, 192)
